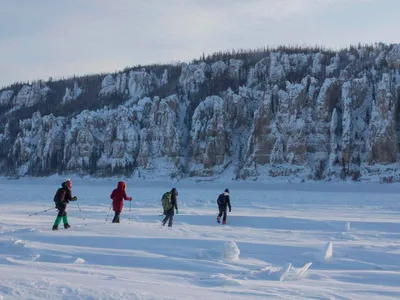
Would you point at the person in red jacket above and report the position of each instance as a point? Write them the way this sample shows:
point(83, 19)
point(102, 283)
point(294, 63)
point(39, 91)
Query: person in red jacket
point(118, 196)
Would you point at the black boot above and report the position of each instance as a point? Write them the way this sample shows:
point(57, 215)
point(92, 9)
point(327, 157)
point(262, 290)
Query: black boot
point(116, 217)
point(55, 227)
point(66, 226)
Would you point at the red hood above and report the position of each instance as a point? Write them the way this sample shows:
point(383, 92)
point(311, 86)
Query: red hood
point(121, 186)
point(67, 184)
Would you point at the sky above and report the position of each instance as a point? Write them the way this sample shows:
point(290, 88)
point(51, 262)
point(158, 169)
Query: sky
point(43, 38)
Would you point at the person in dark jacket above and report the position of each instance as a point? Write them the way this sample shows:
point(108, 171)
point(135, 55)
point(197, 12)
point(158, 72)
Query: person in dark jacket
point(223, 203)
point(62, 198)
point(169, 214)
point(118, 196)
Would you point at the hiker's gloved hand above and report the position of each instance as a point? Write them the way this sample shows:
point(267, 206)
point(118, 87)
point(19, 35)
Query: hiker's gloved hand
point(130, 198)
point(177, 212)
point(74, 198)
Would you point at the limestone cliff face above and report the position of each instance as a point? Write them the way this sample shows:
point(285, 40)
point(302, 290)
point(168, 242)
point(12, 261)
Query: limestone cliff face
point(210, 136)
point(40, 143)
point(5, 97)
point(164, 127)
point(313, 114)
point(136, 84)
point(382, 143)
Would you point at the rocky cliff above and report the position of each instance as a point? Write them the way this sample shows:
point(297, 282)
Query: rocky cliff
point(308, 113)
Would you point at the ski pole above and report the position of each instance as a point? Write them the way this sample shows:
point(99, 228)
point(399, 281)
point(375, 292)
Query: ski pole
point(81, 211)
point(108, 213)
point(42, 211)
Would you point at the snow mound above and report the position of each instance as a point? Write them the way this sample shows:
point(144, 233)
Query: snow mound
point(231, 251)
point(17, 249)
point(209, 254)
point(24, 230)
point(286, 273)
point(345, 236)
point(19, 242)
point(79, 261)
point(220, 280)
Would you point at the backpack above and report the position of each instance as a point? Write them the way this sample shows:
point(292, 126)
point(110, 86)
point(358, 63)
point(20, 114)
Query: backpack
point(221, 200)
point(166, 201)
point(59, 196)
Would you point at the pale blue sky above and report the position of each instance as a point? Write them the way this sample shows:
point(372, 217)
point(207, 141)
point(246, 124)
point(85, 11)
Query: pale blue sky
point(60, 38)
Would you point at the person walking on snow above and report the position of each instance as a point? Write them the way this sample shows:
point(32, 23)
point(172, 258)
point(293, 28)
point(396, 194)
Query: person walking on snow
point(118, 196)
point(170, 204)
point(223, 202)
point(62, 198)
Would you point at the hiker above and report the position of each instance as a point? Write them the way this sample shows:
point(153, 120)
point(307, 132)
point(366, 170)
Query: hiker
point(223, 202)
point(118, 196)
point(62, 198)
point(170, 203)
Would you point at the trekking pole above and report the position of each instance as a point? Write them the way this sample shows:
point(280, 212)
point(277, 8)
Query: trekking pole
point(42, 211)
point(81, 211)
point(130, 211)
point(108, 213)
point(161, 217)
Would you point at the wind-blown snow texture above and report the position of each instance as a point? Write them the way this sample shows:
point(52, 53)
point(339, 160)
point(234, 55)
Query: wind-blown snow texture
point(282, 241)
point(309, 114)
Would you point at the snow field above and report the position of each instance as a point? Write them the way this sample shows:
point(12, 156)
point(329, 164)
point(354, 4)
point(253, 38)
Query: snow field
point(282, 241)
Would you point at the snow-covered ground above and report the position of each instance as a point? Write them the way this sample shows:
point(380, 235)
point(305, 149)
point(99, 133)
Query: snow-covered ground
point(282, 241)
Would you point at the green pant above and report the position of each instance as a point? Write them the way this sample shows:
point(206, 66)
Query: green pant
point(58, 220)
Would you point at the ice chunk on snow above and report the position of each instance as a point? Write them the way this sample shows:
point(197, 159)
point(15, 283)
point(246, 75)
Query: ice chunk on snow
point(324, 255)
point(347, 226)
point(303, 270)
point(282, 273)
point(79, 261)
point(19, 242)
point(228, 250)
point(328, 251)
point(286, 273)
point(231, 251)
